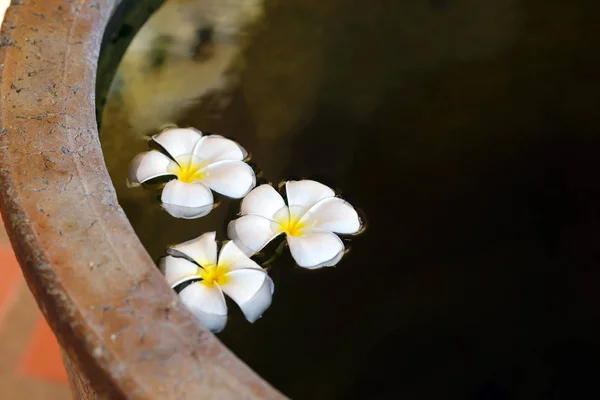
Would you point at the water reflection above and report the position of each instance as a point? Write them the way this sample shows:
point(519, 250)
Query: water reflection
point(468, 134)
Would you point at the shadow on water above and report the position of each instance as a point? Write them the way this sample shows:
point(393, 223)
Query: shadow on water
point(468, 135)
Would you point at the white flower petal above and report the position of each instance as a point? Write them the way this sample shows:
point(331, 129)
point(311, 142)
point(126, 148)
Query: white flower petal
point(177, 270)
point(187, 212)
point(251, 290)
point(333, 214)
point(230, 178)
point(178, 142)
point(271, 285)
point(316, 248)
point(148, 165)
point(190, 195)
point(215, 148)
point(264, 201)
point(333, 262)
point(232, 234)
point(251, 233)
point(306, 193)
point(202, 250)
point(233, 258)
point(207, 304)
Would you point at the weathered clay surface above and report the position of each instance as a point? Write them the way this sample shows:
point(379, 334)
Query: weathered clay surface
point(116, 319)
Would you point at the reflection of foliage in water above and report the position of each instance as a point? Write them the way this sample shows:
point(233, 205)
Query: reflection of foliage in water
point(464, 108)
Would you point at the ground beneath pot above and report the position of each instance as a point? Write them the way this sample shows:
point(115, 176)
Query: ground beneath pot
point(30, 361)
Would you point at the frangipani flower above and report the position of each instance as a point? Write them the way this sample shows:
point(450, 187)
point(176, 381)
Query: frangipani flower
point(233, 273)
point(198, 163)
point(310, 220)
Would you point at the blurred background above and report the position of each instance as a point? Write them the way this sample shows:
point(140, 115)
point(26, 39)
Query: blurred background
point(30, 360)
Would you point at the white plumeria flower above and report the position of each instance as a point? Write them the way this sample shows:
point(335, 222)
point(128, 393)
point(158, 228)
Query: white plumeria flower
point(234, 274)
point(199, 163)
point(310, 220)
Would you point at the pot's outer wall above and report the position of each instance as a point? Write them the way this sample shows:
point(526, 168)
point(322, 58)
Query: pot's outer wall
point(113, 314)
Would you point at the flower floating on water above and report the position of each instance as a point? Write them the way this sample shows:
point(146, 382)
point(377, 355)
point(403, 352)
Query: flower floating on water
point(233, 273)
point(199, 164)
point(310, 220)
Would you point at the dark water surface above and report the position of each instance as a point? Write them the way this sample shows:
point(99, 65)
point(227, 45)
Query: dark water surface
point(468, 132)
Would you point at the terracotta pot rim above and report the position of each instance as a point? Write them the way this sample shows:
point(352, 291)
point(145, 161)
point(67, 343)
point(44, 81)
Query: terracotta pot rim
point(111, 310)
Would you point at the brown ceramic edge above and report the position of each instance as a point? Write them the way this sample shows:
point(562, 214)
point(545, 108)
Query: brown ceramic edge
point(49, 259)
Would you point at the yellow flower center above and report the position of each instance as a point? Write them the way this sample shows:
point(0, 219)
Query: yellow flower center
point(293, 227)
point(212, 274)
point(188, 169)
point(289, 223)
